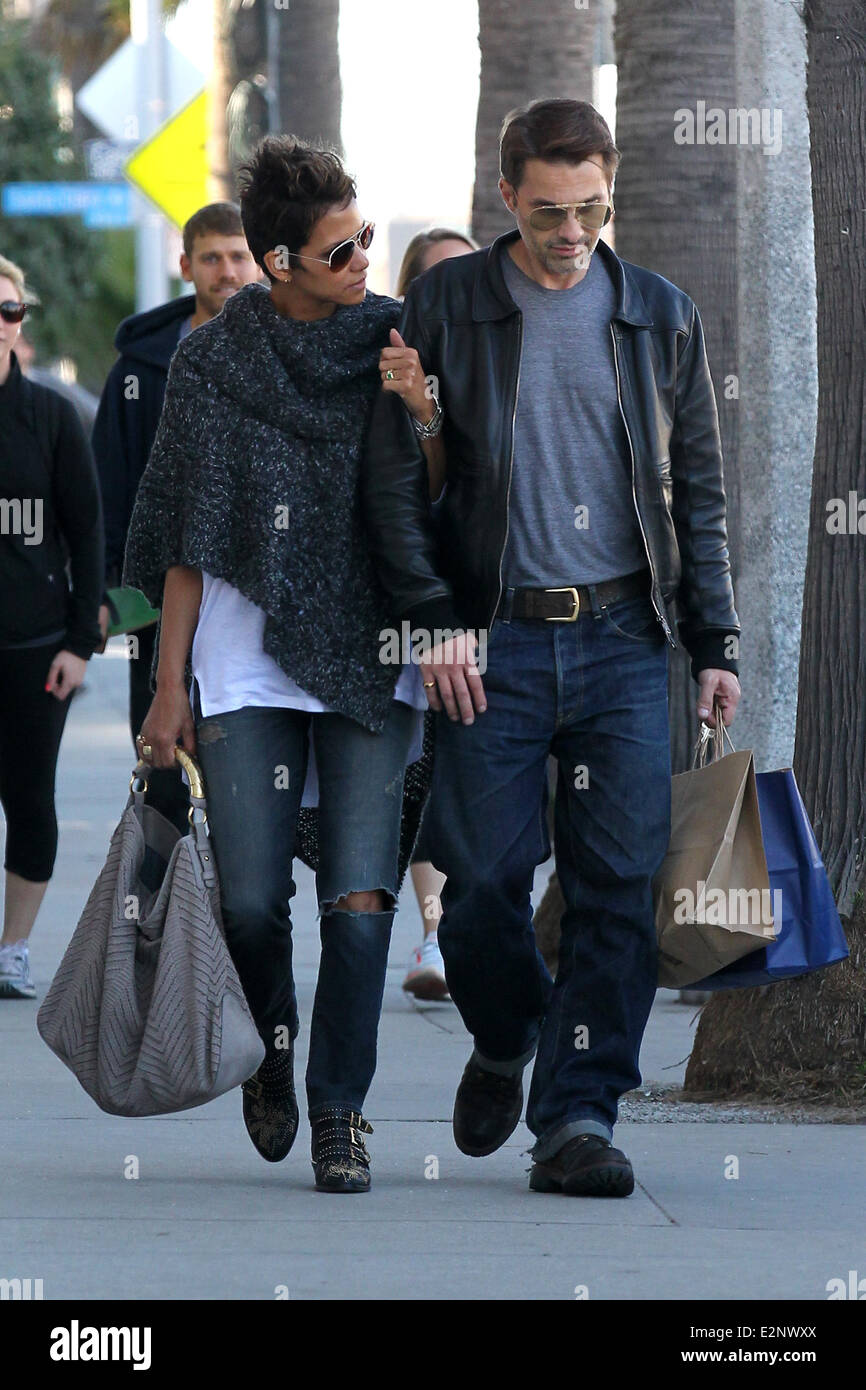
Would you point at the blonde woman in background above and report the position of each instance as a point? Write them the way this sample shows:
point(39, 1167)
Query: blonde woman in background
point(49, 627)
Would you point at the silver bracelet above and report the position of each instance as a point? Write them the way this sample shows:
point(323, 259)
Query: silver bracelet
point(430, 431)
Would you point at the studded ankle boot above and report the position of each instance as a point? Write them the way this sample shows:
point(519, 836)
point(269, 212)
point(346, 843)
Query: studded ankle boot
point(270, 1105)
point(340, 1159)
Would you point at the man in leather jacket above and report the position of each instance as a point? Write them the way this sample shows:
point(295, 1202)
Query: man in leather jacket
point(582, 524)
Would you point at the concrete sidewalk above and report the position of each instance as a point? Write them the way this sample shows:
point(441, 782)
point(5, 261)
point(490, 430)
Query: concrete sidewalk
point(206, 1218)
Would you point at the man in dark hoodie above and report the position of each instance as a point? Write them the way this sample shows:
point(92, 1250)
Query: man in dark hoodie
point(217, 262)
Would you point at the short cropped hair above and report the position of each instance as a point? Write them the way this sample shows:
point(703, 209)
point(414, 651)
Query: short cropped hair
point(215, 219)
point(285, 187)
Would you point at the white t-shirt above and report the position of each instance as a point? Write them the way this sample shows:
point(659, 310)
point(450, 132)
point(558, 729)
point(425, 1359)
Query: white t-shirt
point(232, 670)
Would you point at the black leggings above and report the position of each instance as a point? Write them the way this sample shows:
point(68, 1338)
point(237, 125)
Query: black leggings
point(31, 726)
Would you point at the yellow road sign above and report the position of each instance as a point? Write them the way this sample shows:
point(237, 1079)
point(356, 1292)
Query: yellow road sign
point(171, 167)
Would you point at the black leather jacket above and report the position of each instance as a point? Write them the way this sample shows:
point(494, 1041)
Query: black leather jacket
point(467, 330)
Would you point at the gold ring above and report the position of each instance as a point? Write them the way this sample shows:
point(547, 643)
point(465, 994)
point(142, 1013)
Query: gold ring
point(389, 375)
point(428, 684)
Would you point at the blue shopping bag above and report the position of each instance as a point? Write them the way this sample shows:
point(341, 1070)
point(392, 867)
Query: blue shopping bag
point(810, 934)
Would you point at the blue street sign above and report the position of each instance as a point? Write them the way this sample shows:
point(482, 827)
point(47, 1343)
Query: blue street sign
point(115, 212)
point(100, 204)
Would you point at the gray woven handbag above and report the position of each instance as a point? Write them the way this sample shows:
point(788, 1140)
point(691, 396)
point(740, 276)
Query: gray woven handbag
point(146, 1008)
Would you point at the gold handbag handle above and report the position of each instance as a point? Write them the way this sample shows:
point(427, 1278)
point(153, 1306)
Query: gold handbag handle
point(189, 765)
point(196, 812)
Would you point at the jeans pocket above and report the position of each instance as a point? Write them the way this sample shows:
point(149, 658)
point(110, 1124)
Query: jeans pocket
point(499, 632)
point(635, 621)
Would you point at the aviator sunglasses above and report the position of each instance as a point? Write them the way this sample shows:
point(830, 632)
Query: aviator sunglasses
point(12, 312)
point(592, 216)
point(342, 254)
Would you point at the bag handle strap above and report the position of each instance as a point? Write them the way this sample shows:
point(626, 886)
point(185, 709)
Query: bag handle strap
point(701, 754)
point(197, 812)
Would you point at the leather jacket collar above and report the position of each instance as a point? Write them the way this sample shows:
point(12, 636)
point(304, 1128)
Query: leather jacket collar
point(491, 300)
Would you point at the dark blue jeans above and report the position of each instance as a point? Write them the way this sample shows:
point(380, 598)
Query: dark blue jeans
point(594, 694)
point(254, 763)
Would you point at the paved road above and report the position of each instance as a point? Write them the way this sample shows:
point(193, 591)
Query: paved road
point(207, 1218)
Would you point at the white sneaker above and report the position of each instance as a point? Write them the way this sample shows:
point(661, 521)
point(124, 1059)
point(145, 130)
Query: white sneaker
point(425, 978)
point(15, 980)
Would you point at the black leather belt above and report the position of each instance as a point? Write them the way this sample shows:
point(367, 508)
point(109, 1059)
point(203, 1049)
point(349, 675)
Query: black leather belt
point(565, 605)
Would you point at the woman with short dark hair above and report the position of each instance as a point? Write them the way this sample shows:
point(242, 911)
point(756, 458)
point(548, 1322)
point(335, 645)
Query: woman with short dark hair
point(247, 530)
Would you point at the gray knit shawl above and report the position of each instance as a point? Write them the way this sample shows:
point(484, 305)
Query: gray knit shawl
point(254, 477)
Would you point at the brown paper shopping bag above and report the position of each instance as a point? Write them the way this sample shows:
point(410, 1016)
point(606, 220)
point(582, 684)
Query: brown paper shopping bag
point(712, 892)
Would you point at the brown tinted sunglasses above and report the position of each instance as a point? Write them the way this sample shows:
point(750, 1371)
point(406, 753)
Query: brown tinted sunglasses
point(592, 216)
point(12, 311)
point(342, 254)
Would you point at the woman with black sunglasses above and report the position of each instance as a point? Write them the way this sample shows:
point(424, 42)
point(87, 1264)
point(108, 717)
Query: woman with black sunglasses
point(50, 518)
point(247, 531)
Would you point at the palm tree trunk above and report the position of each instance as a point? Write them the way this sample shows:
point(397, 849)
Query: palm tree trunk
point(220, 180)
point(527, 52)
point(807, 1036)
point(673, 213)
point(310, 90)
point(832, 770)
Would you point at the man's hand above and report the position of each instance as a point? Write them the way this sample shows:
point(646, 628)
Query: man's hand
point(453, 669)
point(408, 379)
point(718, 690)
point(169, 721)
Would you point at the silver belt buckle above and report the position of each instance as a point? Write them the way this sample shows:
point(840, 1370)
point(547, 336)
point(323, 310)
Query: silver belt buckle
point(575, 596)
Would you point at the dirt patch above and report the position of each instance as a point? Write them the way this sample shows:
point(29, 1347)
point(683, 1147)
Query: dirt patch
point(670, 1105)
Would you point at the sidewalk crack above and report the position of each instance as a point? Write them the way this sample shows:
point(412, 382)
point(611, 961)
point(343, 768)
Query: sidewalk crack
point(658, 1205)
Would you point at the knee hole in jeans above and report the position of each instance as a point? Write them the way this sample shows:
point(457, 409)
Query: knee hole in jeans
point(361, 900)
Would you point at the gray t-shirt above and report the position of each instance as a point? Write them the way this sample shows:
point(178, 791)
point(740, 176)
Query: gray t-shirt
point(572, 517)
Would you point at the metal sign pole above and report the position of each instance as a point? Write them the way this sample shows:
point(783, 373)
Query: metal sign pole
point(151, 269)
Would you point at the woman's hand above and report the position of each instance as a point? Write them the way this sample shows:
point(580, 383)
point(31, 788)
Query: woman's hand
point(168, 722)
point(104, 620)
point(408, 380)
point(65, 674)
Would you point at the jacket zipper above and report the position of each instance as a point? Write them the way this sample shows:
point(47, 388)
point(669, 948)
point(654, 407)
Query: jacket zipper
point(510, 468)
point(661, 617)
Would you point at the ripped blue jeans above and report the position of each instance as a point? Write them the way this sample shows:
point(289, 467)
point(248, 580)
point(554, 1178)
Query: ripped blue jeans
point(254, 762)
